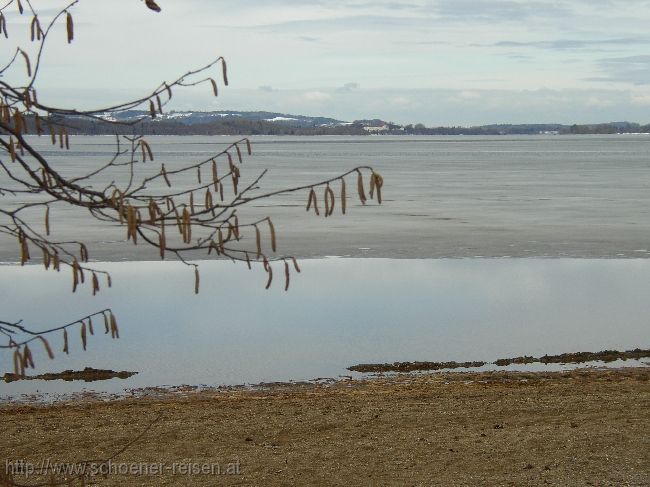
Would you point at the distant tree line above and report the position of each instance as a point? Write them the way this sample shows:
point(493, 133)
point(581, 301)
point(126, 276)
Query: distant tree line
point(242, 126)
point(79, 126)
point(609, 128)
point(525, 129)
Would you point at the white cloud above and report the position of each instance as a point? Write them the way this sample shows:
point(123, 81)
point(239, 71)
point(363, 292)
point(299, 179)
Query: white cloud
point(317, 96)
point(400, 101)
point(469, 95)
point(598, 102)
point(641, 98)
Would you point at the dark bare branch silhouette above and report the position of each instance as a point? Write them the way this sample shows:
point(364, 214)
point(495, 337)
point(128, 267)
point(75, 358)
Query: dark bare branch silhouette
point(178, 221)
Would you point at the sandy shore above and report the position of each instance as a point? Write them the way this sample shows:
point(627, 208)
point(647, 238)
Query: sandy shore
point(586, 427)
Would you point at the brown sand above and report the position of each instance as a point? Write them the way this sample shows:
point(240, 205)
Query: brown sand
point(588, 427)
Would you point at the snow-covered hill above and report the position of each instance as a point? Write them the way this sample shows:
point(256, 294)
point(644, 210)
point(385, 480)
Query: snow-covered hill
point(196, 117)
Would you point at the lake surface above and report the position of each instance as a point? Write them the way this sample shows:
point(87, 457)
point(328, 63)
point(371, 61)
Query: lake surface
point(338, 313)
point(518, 196)
point(419, 293)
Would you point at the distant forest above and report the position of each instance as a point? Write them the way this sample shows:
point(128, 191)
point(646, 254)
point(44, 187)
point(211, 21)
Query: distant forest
point(530, 129)
point(249, 123)
point(79, 126)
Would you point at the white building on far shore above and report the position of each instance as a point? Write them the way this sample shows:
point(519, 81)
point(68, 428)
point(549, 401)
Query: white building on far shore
point(376, 130)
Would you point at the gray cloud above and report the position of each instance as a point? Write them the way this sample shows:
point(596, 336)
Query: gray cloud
point(519, 57)
point(346, 23)
point(424, 43)
point(500, 10)
point(387, 5)
point(629, 69)
point(349, 87)
point(568, 44)
point(505, 10)
point(426, 14)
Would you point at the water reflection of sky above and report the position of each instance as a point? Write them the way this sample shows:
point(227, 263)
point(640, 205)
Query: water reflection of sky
point(339, 312)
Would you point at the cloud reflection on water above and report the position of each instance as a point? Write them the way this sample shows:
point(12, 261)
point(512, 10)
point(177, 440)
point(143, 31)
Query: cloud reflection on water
point(339, 312)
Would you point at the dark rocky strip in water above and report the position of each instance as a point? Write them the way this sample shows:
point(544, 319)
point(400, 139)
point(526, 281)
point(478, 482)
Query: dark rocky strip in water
point(564, 358)
point(577, 357)
point(413, 366)
point(87, 375)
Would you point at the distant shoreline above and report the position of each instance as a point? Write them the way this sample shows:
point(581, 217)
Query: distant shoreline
point(238, 123)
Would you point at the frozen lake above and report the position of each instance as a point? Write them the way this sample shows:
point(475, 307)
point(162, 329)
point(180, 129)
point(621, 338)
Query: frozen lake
point(521, 196)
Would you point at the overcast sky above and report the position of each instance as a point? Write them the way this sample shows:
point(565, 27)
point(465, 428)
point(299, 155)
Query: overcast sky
point(439, 62)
